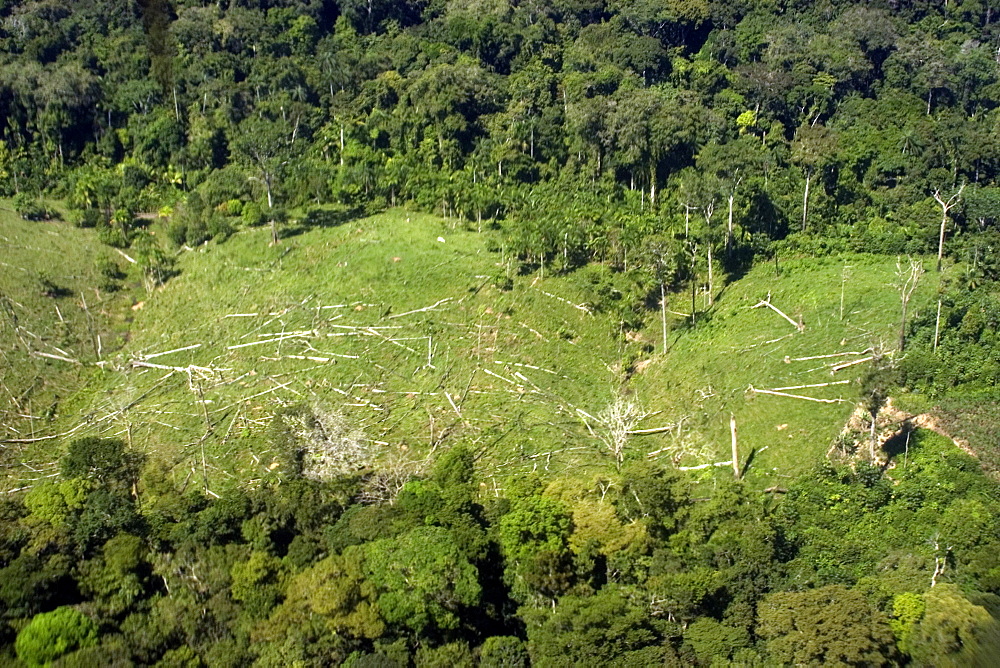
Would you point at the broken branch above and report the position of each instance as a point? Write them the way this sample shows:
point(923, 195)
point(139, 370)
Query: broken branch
point(838, 367)
point(767, 302)
point(795, 396)
point(420, 310)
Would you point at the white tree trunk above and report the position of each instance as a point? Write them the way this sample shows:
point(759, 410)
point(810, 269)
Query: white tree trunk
point(729, 225)
point(711, 291)
point(805, 202)
point(944, 223)
point(663, 316)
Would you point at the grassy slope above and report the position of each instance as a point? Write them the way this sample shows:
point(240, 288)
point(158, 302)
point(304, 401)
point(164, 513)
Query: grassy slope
point(343, 294)
point(707, 372)
point(33, 324)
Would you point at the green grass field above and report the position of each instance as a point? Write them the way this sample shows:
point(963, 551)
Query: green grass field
point(396, 322)
point(54, 320)
point(402, 332)
point(708, 372)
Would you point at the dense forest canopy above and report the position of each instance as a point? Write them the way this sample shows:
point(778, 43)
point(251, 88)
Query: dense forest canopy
point(670, 145)
point(585, 126)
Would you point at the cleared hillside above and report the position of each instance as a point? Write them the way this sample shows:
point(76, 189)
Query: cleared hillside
point(394, 321)
point(61, 306)
point(848, 307)
point(409, 330)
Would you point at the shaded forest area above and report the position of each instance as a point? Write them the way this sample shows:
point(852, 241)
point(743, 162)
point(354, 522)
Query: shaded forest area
point(674, 142)
point(852, 565)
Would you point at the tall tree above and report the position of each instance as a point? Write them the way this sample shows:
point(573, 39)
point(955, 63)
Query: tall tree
point(813, 149)
point(829, 625)
point(947, 203)
point(265, 146)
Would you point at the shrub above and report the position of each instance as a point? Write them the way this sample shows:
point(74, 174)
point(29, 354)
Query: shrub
point(233, 207)
point(29, 208)
point(252, 215)
point(109, 273)
point(223, 185)
point(89, 217)
point(111, 235)
point(218, 226)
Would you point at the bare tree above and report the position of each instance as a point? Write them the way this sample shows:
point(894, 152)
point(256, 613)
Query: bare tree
point(393, 472)
point(946, 206)
point(617, 421)
point(709, 211)
point(329, 446)
point(907, 277)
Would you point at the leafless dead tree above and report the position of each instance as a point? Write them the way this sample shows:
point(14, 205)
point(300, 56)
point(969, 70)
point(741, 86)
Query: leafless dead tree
point(907, 277)
point(391, 474)
point(330, 446)
point(946, 206)
point(618, 420)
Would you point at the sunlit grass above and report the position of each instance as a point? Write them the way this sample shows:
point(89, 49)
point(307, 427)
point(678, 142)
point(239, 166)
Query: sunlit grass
point(401, 322)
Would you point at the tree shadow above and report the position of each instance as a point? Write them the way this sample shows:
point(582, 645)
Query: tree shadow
point(319, 218)
point(899, 443)
point(749, 463)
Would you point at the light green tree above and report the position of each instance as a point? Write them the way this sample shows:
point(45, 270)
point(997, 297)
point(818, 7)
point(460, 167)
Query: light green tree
point(50, 635)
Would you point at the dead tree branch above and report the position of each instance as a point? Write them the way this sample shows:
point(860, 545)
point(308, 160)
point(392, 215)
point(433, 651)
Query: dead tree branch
point(767, 302)
point(751, 389)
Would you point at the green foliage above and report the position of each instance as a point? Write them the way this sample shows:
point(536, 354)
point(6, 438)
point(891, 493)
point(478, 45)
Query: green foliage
point(54, 502)
point(628, 162)
point(423, 579)
point(106, 461)
point(444, 656)
point(337, 591)
point(953, 631)
point(29, 208)
point(119, 577)
point(153, 262)
point(710, 640)
point(503, 652)
point(30, 583)
point(653, 494)
point(534, 524)
point(907, 609)
point(831, 625)
point(110, 273)
point(455, 473)
point(50, 635)
point(601, 629)
point(257, 583)
point(188, 224)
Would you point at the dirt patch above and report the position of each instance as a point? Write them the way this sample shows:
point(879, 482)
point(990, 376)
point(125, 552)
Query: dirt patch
point(929, 422)
point(892, 422)
point(641, 366)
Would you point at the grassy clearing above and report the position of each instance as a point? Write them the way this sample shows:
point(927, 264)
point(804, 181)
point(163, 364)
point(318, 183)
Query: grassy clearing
point(397, 321)
point(393, 320)
point(708, 371)
point(55, 305)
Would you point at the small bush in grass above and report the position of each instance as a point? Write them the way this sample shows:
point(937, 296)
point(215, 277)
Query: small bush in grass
point(90, 217)
point(111, 235)
point(29, 208)
point(252, 215)
point(109, 273)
